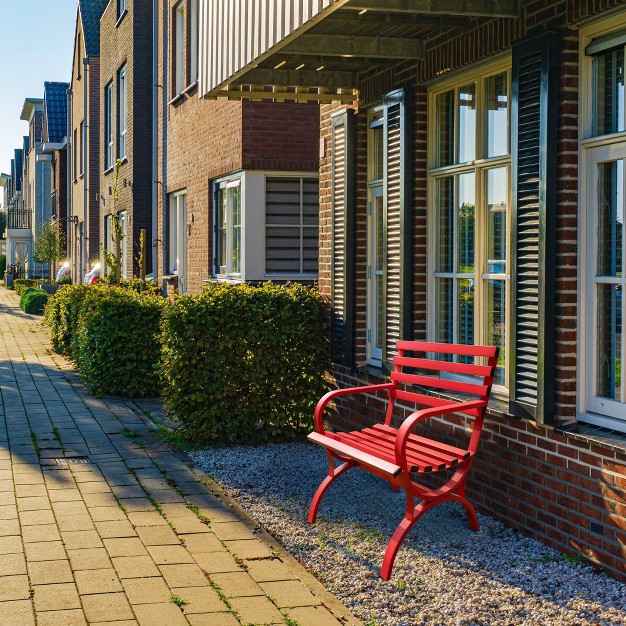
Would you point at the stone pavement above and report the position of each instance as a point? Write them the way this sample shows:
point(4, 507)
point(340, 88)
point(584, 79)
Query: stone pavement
point(101, 522)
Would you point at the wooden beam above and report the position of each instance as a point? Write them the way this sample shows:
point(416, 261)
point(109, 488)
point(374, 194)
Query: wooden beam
point(354, 46)
point(292, 78)
point(391, 19)
point(313, 61)
point(485, 8)
point(324, 98)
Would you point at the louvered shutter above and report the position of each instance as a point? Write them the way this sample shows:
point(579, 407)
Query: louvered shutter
point(342, 262)
point(397, 208)
point(534, 117)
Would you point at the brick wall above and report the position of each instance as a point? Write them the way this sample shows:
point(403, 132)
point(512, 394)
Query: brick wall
point(569, 493)
point(129, 43)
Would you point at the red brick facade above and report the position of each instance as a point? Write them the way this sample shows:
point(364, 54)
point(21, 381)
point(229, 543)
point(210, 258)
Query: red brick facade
point(565, 490)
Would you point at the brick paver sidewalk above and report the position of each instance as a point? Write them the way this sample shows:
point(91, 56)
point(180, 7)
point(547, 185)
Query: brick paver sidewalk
point(130, 531)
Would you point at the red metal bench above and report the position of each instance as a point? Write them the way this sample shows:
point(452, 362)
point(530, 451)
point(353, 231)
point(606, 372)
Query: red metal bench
point(397, 454)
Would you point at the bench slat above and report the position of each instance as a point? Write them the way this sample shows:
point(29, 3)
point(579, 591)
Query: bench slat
point(446, 348)
point(443, 366)
point(359, 456)
point(440, 383)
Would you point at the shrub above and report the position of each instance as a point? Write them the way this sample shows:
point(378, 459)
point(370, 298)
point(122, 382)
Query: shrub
point(3, 265)
point(64, 280)
point(22, 284)
point(244, 363)
point(61, 314)
point(33, 300)
point(117, 343)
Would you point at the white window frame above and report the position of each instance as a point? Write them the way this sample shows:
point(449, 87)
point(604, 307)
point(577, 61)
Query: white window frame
point(588, 407)
point(121, 8)
point(227, 271)
point(108, 126)
point(122, 112)
point(194, 34)
point(176, 238)
point(479, 166)
point(303, 227)
point(179, 47)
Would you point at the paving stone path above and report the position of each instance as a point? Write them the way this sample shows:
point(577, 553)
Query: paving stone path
point(101, 522)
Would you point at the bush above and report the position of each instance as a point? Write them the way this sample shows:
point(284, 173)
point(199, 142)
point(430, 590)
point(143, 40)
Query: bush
point(117, 343)
point(22, 284)
point(244, 363)
point(33, 300)
point(61, 314)
point(64, 280)
point(3, 265)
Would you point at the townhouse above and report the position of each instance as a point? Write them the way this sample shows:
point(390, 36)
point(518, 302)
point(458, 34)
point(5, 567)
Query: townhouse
point(471, 191)
point(236, 183)
point(126, 127)
point(84, 103)
point(18, 230)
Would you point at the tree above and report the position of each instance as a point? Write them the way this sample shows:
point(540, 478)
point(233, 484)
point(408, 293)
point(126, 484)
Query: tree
point(49, 245)
point(113, 259)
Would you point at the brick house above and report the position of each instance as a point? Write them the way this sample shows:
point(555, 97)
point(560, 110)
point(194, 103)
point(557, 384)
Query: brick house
point(84, 140)
point(471, 191)
point(237, 187)
point(126, 125)
point(35, 179)
point(54, 149)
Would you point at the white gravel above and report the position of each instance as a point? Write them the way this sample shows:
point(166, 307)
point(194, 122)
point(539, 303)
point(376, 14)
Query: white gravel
point(444, 572)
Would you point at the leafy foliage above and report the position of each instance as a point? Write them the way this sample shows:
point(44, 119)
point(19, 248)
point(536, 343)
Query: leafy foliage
point(49, 244)
point(3, 265)
point(117, 343)
point(244, 363)
point(33, 300)
point(61, 315)
point(22, 284)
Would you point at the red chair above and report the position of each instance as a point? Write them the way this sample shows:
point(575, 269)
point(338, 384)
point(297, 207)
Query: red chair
point(396, 453)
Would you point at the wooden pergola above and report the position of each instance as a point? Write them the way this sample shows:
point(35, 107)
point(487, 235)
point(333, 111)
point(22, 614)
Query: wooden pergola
point(314, 50)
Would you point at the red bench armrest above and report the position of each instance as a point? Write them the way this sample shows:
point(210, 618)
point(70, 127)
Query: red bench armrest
point(409, 423)
point(331, 395)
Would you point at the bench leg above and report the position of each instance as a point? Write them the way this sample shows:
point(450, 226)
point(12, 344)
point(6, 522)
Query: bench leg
point(333, 474)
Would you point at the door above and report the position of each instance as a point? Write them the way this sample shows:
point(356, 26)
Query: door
point(605, 284)
point(375, 276)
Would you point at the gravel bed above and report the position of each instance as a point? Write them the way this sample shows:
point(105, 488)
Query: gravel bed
point(444, 572)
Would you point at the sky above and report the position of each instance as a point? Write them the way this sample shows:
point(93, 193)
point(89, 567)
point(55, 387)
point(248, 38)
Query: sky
point(36, 45)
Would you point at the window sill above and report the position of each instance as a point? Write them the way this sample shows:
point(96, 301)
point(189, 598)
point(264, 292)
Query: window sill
point(121, 17)
point(598, 435)
point(190, 88)
point(177, 98)
point(231, 279)
point(122, 160)
point(108, 170)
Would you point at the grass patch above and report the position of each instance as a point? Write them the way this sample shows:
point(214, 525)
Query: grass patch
point(177, 600)
point(35, 442)
point(131, 434)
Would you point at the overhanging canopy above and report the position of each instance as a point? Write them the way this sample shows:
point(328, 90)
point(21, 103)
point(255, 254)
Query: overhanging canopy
point(314, 49)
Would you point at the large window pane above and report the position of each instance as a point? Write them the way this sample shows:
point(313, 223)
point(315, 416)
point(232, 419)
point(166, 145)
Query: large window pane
point(610, 218)
point(445, 310)
point(467, 123)
point(496, 324)
point(467, 222)
point(609, 355)
point(445, 129)
point(609, 92)
point(445, 209)
point(235, 208)
point(465, 308)
point(221, 229)
point(377, 154)
point(173, 235)
point(497, 200)
point(497, 115)
point(379, 269)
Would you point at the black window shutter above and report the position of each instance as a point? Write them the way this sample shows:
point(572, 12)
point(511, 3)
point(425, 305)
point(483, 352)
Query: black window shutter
point(397, 196)
point(534, 116)
point(342, 219)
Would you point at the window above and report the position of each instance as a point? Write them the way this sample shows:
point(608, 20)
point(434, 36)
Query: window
point(121, 113)
point(469, 183)
point(109, 241)
point(179, 48)
point(291, 225)
point(75, 155)
point(176, 248)
point(121, 8)
point(192, 48)
point(108, 126)
point(228, 222)
point(124, 245)
point(81, 142)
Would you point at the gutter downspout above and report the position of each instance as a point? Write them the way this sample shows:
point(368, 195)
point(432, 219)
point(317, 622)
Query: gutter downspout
point(84, 256)
point(155, 139)
point(164, 135)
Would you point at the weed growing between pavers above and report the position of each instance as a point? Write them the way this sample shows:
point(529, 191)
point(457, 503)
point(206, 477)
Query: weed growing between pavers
point(178, 601)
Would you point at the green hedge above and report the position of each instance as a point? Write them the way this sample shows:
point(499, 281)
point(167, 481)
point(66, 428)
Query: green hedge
point(33, 300)
point(22, 284)
point(61, 314)
point(3, 265)
point(244, 363)
point(117, 342)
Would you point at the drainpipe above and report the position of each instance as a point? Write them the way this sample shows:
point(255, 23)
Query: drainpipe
point(164, 135)
point(85, 258)
point(155, 138)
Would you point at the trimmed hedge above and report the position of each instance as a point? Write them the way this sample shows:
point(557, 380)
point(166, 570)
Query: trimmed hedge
point(117, 342)
point(3, 265)
point(22, 284)
point(33, 300)
point(61, 314)
point(244, 363)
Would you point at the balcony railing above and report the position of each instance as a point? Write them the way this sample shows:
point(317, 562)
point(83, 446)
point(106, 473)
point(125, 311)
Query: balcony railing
point(19, 218)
